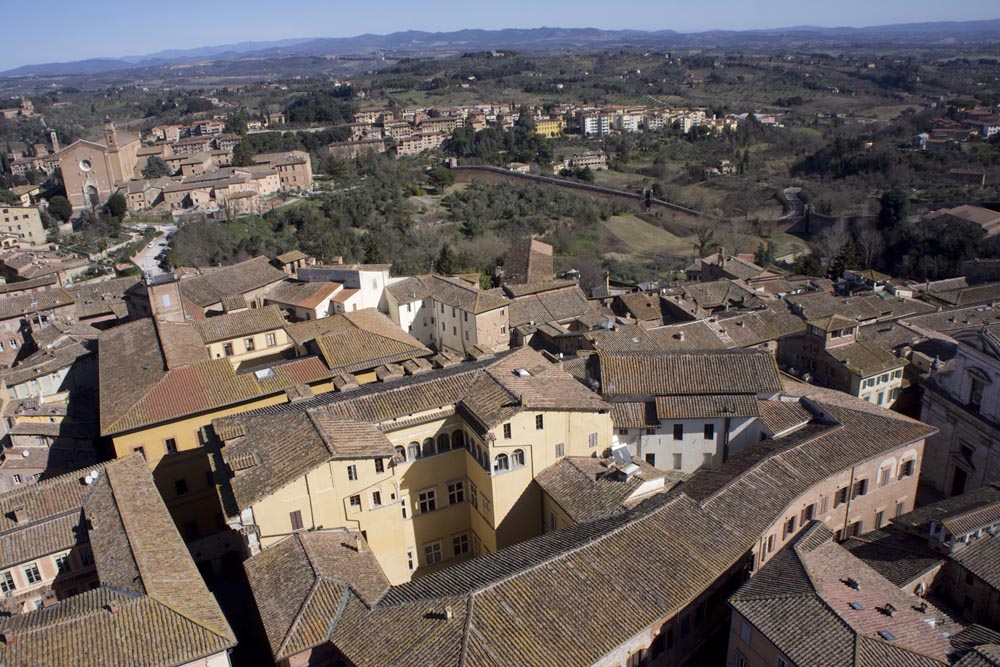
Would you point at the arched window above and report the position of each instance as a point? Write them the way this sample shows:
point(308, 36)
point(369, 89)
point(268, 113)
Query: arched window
point(401, 451)
point(413, 450)
point(500, 463)
point(444, 442)
point(517, 458)
point(429, 447)
point(458, 439)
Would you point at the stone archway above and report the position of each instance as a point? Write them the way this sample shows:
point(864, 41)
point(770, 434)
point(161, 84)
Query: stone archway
point(92, 196)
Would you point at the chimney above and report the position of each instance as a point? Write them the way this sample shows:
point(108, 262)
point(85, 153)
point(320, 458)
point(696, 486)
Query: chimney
point(359, 544)
point(448, 614)
point(114, 608)
point(20, 515)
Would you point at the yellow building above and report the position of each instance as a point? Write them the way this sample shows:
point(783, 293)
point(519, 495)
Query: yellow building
point(430, 469)
point(164, 379)
point(550, 127)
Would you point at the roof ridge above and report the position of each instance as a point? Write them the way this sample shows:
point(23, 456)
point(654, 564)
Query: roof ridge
point(188, 618)
point(464, 652)
point(629, 520)
point(305, 602)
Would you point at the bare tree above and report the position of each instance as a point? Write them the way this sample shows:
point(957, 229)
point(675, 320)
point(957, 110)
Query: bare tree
point(828, 242)
point(705, 239)
point(737, 235)
point(869, 242)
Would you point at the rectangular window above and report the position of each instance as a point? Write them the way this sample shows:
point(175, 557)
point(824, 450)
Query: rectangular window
point(900, 509)
point(860, 488)
point(883, 476)
point(906, 468)
point(678, 431)
point(486, 505)
point(460, 544)
point(352, 473)
point(6, 582)
point(31, 574)
point(432, 553)
point(503, 331)
point(355, 502)
point(181, 487)
point(506, 432)
point(651, 459)
point(379, 466)
point(854, 529)
point(227, 349)
point(296, 519)
point(427, 500)
point(409, 560)
point(746, 631)
point(770, 544)
point(808, 513)
point(456, 492)
point(271, 340)
point(62, 564)
point(677, 461)
point(709, 431)
point(15, 479)
point(376, 498)
point(473, 496)
point(560, 449)
point(539, 422)
point(879, 517)
point(592, 440)
point(171, 445)
point(248, 344)
point(824, 504)
point(840, 497)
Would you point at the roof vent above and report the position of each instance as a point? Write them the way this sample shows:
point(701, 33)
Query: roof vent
point(857, 606)
point(851, 582)
point(90, 478)
point(522, 372)
point(886, 635)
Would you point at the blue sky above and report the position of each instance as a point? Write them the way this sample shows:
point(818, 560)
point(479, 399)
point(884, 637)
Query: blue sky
point(62, 30)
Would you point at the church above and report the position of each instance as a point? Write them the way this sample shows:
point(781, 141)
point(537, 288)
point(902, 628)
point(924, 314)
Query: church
point(92, 171)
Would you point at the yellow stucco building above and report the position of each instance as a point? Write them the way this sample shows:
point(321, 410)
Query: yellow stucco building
point(430, 469)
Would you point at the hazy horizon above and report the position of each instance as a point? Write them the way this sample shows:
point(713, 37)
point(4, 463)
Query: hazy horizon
point(190, 25)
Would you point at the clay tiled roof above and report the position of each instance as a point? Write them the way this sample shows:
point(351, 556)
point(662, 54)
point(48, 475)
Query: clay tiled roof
point(899, 558)
point(211, 287)
point(99, 298)
point(706, 406)
point(303, 295)
point(637, 414)
point(560, 305)
point(982, 558)
point(449, 291)
point(19, 305)
point(163, 613)
point(501, 603)
point(714, 372)
point(865, 359)
point(801, 603)
point(588, 488)
point(317, 573)
point(136, 390)
point(238, 324)
point(781, 416)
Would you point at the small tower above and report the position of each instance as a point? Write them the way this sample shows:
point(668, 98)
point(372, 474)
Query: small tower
point(54, 138)
point(110, 134)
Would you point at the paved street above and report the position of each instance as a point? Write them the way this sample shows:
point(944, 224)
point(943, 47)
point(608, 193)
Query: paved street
point(147, 257)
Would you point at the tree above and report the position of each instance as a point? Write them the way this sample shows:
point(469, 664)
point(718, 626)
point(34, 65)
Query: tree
point(8, 197)
point(829, 242)
point(60, 208)
point(156, 167)
point(895, 208)
point(446, 262)
point(705, 235)
point(116, 206)
point(870, 243)
point(374, 253)
point(236, 124)
point(440, 178)
point(243, 154)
